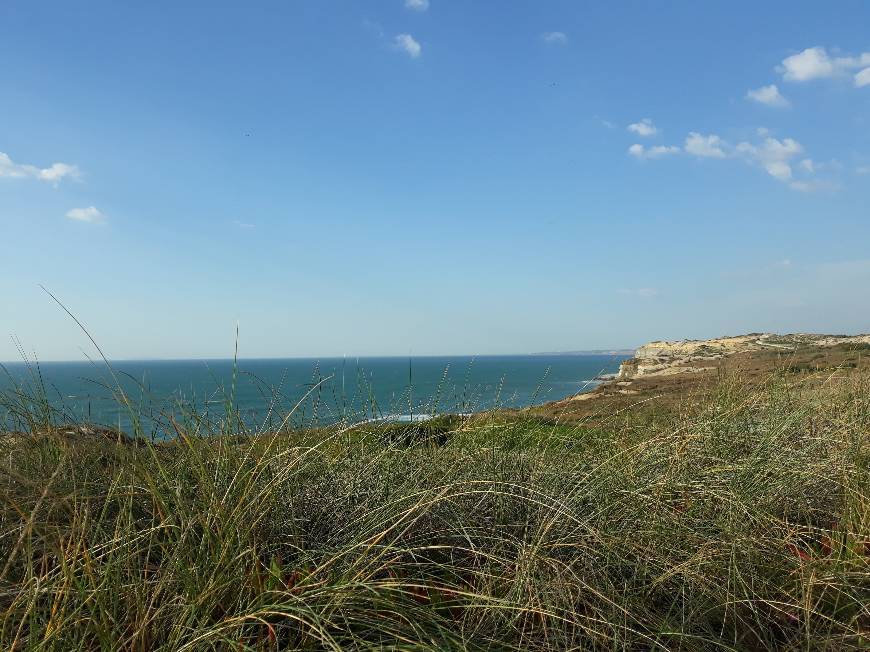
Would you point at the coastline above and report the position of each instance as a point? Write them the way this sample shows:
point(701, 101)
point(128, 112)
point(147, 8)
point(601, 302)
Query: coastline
point(664, 373)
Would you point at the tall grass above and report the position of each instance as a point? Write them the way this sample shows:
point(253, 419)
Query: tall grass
point(741, 522)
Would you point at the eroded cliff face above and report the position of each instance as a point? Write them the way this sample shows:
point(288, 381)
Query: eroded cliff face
point(663, 358)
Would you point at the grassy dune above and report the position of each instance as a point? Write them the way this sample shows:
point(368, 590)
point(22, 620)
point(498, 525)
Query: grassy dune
point(738, 521)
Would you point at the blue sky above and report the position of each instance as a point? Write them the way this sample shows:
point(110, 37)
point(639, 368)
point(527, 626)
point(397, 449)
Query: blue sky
point(396, 177)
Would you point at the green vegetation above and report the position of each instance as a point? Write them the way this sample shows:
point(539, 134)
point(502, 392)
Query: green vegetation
point(738, 522)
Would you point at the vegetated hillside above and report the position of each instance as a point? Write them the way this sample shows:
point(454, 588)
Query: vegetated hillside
point(668, 373)
point(666, 358)
point(733, 515)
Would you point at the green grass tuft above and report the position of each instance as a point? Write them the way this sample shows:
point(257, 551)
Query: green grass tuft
point(740, 523)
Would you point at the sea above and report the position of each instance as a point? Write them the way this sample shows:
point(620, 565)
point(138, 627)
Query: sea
point(264, 394)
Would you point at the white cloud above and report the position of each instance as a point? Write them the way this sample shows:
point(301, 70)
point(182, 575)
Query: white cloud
point(643, 128)
point(864, 169)
point(555, 38)
point(775, 157)
point(89, 214)
point(409, 45)
point(640, 152)
point(243, 225)
point(779, 158)
point(812, 63)
point(705, 146)
point(781, 149)
point(417, 5)
point(54, 173)
point(862, 78)
point(768, 95)
point(779, 170)
point(817, 63)
point(58, 171)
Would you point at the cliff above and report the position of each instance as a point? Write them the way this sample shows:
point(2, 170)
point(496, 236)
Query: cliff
point(662, 358)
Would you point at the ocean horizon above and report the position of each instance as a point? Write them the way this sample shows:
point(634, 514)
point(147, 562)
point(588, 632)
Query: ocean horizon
point(299, 392)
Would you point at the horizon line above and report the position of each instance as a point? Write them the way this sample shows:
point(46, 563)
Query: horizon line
point(98, 362)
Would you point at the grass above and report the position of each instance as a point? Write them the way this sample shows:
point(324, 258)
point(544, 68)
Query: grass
point(738, 522)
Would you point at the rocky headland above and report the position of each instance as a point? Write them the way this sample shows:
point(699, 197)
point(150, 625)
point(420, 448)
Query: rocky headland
point(666, 372)
point(664, 358)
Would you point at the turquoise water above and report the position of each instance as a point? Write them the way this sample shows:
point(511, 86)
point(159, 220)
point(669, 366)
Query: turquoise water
point(311, 391)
